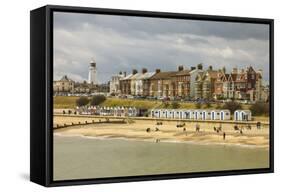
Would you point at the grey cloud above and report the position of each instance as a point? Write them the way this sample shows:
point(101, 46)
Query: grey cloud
point(123, 43)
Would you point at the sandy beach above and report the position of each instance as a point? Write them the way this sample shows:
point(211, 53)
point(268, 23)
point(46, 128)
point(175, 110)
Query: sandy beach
point(168, 132)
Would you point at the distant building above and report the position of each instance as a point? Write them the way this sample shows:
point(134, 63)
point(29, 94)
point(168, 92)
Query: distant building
point(92, 78)
point(182, 82)
point(114, 84)
point(161, 84)
point(63, 86)
point(125, 83)
point(205, 84)
point(193, 74)
point(142, 83)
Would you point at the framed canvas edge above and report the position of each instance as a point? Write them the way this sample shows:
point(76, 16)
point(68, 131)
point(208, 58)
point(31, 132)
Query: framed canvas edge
point(49, 182)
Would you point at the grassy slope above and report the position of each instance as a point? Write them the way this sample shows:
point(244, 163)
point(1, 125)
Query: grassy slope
point(69, 102)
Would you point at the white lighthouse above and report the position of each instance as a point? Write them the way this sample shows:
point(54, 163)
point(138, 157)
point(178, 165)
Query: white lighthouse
point(92, 72)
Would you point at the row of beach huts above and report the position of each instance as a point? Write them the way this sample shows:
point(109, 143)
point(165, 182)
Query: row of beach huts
point(201, 114)
point(181, 114)
point(109, 111)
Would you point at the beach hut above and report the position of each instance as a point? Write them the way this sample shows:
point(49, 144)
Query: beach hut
point(181, 114)
point(186, 114)
point(157, 113)
point(152, 113)
point(172, 114)
point(198, 114)
point(164, 113)
point(224, 115)
point(242, 115)
point(206, 115)
point(177, 114)
point(130, 112)
point(192, 114)
point(215, 115)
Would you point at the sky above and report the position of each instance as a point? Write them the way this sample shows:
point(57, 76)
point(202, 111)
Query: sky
point(122, 43)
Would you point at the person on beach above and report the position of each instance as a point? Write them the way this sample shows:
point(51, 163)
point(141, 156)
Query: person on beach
point(197, 127)
point(258, 125)
point(224, 135)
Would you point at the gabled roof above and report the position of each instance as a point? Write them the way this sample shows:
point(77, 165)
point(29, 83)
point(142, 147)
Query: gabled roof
point(127, 77)
point(146, 75)
point(183, 72)
point(65, 78)
point(135, 76)
point(164, 75)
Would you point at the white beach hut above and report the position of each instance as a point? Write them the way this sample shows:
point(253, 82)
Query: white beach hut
point(172, 114)
point(198, 114)
point(206, 115)
point(186, 114)
point(224, 115)
point(157, 113)
point(242, 115)
point(181, 114)
point(177, 114)
point(215, 115)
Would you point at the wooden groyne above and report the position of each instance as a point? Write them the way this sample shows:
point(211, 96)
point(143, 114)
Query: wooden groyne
point(100, 121)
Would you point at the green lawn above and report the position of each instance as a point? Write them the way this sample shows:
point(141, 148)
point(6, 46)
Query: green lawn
point(69, 102)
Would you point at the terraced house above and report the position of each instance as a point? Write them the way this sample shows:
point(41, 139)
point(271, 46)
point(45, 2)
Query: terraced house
point(162, 84)
point(196, 83)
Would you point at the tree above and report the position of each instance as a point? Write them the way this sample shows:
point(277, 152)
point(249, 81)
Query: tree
point(175, 105)
point(260, 108)
point(97, 99)
point(232, 106)
point(81, 101)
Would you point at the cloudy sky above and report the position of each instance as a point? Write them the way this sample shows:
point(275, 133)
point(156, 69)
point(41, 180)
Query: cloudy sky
point(121, 43)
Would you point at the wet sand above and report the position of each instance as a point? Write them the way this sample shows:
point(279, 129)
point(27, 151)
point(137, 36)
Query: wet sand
point(168, 132)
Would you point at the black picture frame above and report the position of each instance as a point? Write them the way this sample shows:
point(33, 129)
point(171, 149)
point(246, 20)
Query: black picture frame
point(41, 61)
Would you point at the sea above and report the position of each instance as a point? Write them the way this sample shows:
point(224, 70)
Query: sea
point(77, 157)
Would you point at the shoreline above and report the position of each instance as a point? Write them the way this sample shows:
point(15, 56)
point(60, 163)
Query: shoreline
point(167, 131)
point(111, 137)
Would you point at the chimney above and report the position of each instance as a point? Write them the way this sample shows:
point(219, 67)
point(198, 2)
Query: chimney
point(192, 68)
point(134, 71)
point(125, 73)
point(260, 72)
point(144, 70)
point(157, 70)
point(223, 69)
point(180, 68)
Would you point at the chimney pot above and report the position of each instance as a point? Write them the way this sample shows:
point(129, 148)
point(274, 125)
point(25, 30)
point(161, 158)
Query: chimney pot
point(144, 70)
point(134, 71)
point(180, 68)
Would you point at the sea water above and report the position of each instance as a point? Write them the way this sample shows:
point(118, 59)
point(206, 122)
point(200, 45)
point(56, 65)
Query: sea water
point(84, 158)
